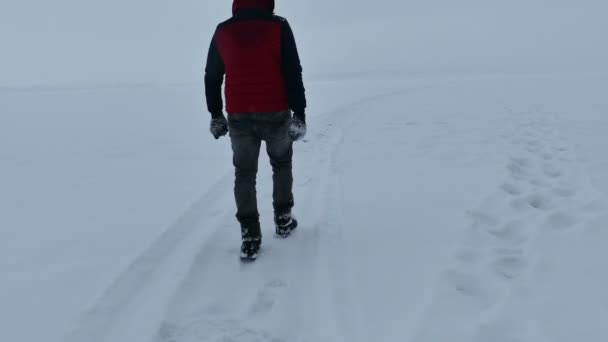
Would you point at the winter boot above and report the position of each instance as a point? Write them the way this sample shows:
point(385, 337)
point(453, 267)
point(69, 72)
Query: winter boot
point(250, 248)
point(252, 240)
point(285, 224)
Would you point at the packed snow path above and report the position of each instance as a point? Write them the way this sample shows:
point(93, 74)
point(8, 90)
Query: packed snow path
point(427, 214)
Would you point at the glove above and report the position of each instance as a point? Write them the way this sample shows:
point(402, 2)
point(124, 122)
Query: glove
point(297, 128)
point(218, 126)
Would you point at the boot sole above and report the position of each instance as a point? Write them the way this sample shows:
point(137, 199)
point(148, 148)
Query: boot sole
point(247, 257)
point(285, 235)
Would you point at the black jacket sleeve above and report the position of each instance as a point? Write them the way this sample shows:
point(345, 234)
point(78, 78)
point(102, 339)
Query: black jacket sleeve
point(292, 71)
point(214, 78)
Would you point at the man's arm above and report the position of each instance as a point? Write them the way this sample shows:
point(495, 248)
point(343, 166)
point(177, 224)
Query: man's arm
point(292, 72)
point(214, 78)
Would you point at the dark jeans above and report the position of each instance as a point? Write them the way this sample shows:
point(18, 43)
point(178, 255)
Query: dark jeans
point(246, 134)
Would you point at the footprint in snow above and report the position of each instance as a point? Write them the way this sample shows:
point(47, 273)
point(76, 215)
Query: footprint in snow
point(534, 201)
point(540, 202)
point(539, 183)
point(595, 206)
point(564, 190)
point(520, 205)
point(547, 156)
point(168, 332)
point(267, 297)
point(509, 266)
point(598, 228)
point(560, 221)
point(471, 288)
point(511, 189)
point(519, 168)
point(534, 146)
point(483, 219)
point(511, 233)
point(551, 171)
point(521, 161)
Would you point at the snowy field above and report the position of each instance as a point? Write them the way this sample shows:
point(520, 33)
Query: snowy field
point(469, 209)
point(441, 198)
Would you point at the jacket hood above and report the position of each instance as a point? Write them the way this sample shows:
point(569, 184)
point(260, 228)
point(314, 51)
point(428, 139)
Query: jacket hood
point(265, 5)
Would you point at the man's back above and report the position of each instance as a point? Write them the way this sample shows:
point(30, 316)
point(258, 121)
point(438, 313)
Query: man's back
point(256, 51)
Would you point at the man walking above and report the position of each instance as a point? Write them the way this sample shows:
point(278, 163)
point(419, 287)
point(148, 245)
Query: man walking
point(257, 53)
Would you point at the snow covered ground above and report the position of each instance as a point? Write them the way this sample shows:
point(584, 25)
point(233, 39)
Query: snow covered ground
point(432, 209)
point(453, 185)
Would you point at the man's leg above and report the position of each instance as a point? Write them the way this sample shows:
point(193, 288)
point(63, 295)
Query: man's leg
point(280, 150)
point(246, 150)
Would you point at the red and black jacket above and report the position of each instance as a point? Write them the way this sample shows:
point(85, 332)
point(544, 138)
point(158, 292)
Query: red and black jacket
point(257, 52)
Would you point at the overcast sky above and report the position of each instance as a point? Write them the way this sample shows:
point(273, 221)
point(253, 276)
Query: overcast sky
point(115, 41)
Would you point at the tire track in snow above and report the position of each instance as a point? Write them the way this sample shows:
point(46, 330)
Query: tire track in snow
point(486, 293)
point(140, 292)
